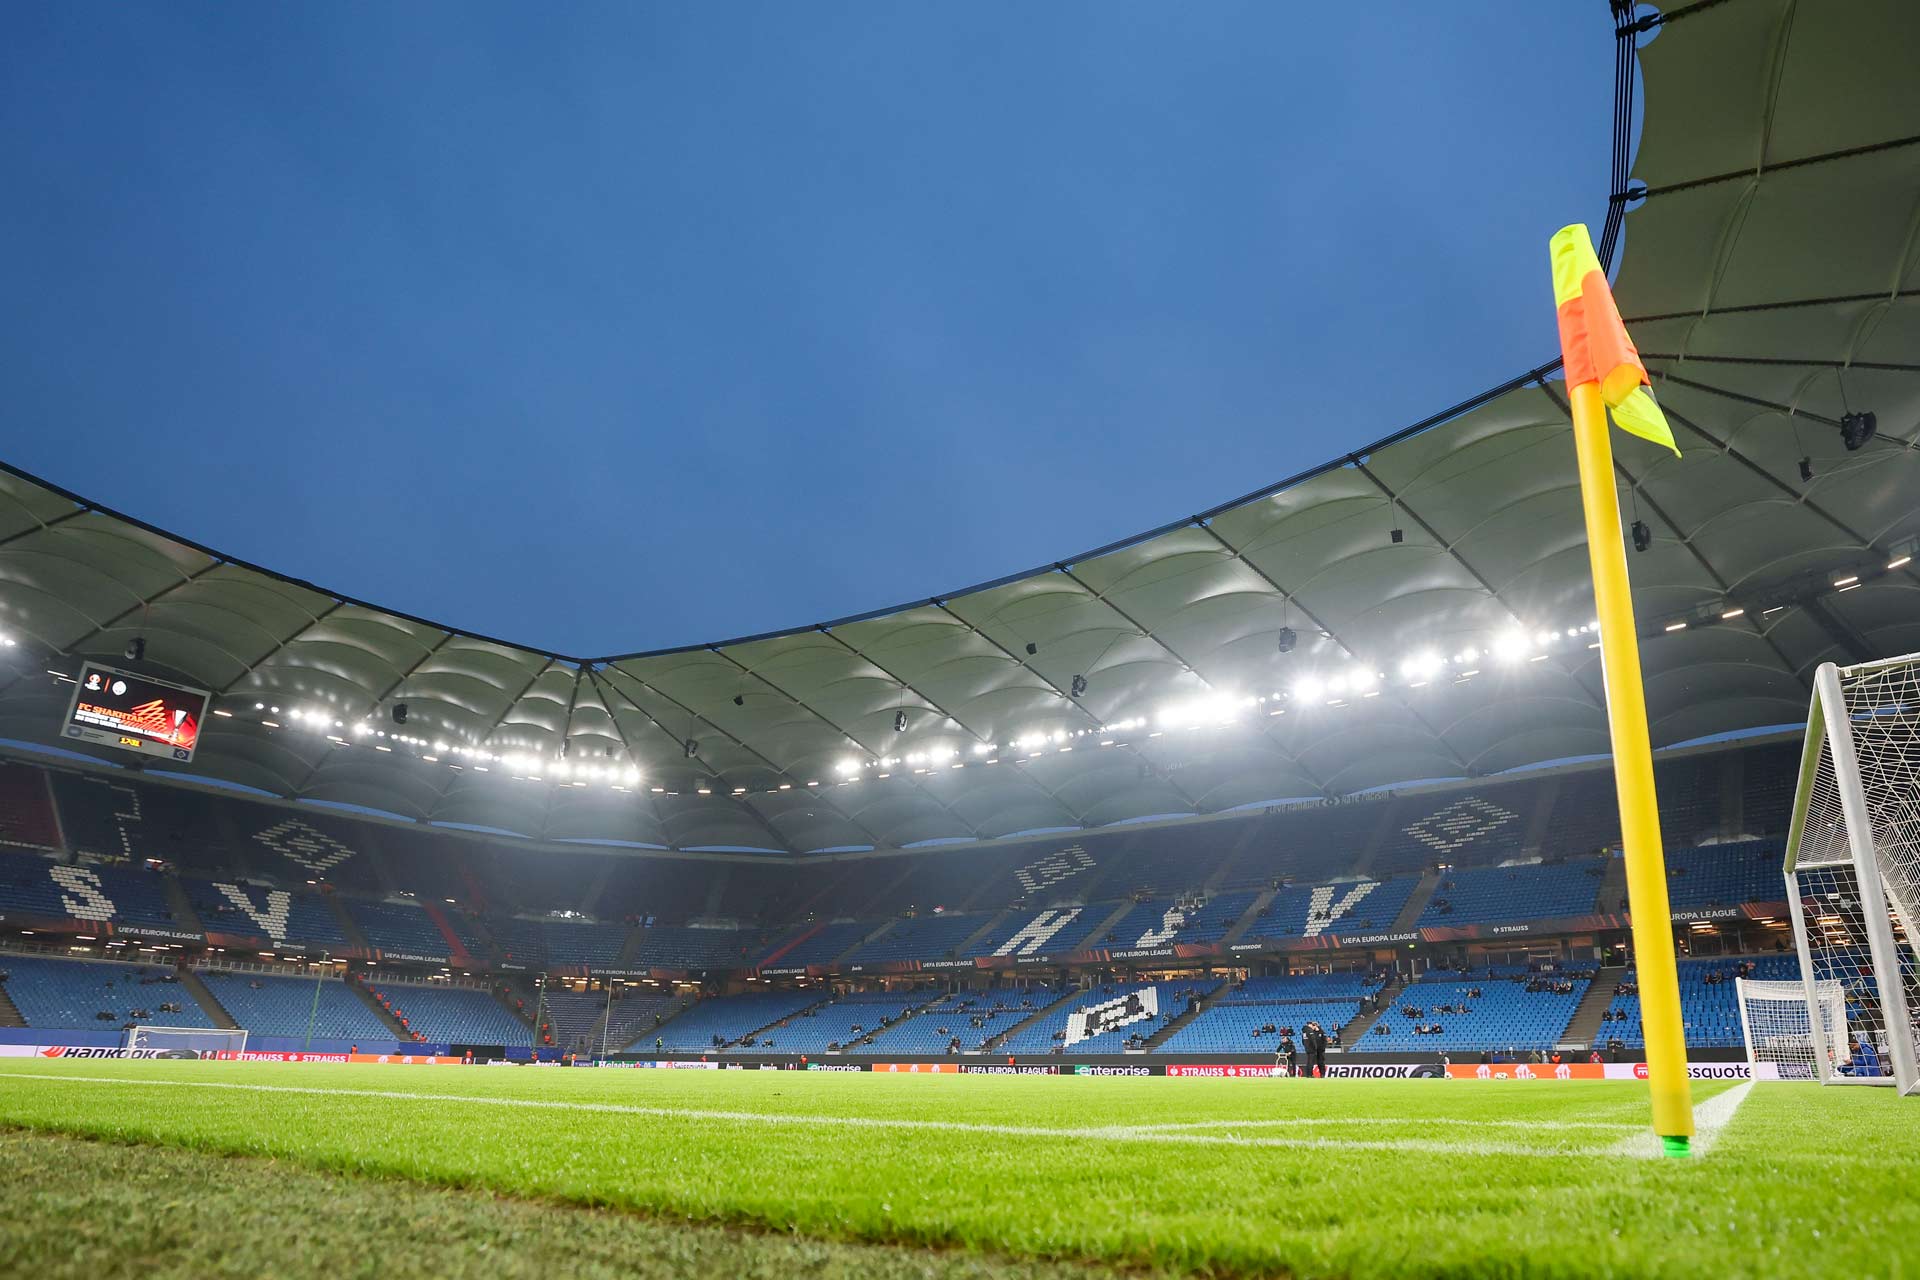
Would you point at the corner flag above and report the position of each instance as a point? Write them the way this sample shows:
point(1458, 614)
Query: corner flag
point(1593, 339)
point(1603, 370)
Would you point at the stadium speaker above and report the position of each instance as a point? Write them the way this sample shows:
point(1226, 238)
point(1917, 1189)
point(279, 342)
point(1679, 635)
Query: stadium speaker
point(739, 699)
point(136, 648)
point(900, 722)
point(399, 713)
point(692, 747)
point(1806, 469)
point(1032, 648)
point(1398, 535)
point(1856, 429)
point(1642, 535)
point(1286, 639)
point(1079, 685)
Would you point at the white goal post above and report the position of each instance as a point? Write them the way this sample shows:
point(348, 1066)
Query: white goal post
point(1853, 865)
point(197, 1041)
point(1779, 1027)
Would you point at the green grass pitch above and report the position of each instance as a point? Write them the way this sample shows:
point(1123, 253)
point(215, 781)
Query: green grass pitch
point(129, 1167)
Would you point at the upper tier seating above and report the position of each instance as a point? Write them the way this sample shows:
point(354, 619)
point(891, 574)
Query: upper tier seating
point(131, 896)
point(521, 942)
point(1055, 931)
point(256, 911)
point(452, 1015)
point(665, 946)
point(953, 1017)
point(731, 1017)
point(577, 942)
point(929, 937)
point(270, 1005)
point(1726, 875)
point(27, 817)
point(830, 942)
point(1534, 891)
point(1483, 825)
point(72, 994)
point(399, 927)
point(1352, 906)
point(1505, 1015)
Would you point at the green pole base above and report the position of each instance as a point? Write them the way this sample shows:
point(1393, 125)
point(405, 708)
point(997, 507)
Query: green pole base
point(1677, 1148)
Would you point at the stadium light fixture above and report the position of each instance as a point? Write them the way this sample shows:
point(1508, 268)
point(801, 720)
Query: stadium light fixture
point(1420, 665)
point(1511, 646)
point(1308, 689)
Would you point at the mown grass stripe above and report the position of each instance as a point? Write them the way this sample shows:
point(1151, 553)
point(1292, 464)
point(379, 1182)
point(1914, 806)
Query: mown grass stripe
point(1106, 1133)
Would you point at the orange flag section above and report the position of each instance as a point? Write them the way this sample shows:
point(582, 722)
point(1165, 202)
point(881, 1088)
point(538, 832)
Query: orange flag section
point(1594, 342)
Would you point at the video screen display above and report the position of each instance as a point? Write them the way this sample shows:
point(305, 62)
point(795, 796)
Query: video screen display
point(136, 713)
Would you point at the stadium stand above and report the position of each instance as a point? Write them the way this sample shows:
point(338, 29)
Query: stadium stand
point(401, 928)
point(450, 1015)
point(276, 915)
point(97, 994)
point(27, 816)
point(695, 947)
point(1441, 827)
point(1306, 911)
point(1053, 931)
point(712, 1023)
point(580, 943)
point(1499, 1008)
point(581, 1020)
point(1049, 1034)
point(520, 942)
point(844, 1021)
point(271, 1005)
point(929, 937)
point(1239, 1021)
point(969, 1017)
point(1534, 891)
point(1709, 1008)
point(821, 945)
point(1725, 875)
point(127, 896)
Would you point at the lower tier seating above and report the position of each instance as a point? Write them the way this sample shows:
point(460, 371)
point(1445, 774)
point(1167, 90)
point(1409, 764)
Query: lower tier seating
point(97, 995)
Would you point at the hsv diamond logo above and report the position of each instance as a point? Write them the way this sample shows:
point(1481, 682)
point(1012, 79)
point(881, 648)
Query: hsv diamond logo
point(308, 846)
point(1054, 868)
point(1460, 824)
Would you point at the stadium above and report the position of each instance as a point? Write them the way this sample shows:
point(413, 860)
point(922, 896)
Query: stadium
point(1244, 897)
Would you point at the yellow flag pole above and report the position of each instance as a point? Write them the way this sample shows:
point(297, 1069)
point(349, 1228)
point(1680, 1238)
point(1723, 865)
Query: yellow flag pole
point(1633, 777)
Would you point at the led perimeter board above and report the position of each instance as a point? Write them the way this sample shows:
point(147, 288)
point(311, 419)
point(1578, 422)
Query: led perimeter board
point(136, 713)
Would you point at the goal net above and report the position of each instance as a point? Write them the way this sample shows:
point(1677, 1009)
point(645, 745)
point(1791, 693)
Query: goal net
point(1804, 1041)
point(193, 1042)
point(1853, 862)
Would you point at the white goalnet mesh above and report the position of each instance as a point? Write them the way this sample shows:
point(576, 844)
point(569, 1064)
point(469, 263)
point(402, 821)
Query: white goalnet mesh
point(1804, 1040)
point(1853, 863)
point(184, 1041)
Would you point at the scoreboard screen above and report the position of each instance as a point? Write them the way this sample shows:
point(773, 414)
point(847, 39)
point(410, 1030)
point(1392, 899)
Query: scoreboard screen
point(136, 713)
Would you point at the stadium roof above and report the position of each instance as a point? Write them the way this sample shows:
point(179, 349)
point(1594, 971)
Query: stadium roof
point(1773, 244)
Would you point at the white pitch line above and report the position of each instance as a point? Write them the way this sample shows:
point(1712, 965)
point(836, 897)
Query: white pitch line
point(1710, 1118)
point(1109, 1134)
point(1449, 1121)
